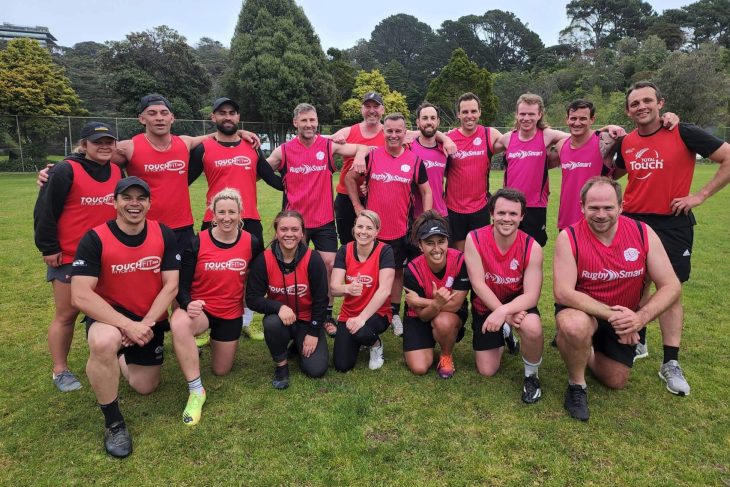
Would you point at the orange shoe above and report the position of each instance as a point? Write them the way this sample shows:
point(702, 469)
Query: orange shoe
point(446, 366)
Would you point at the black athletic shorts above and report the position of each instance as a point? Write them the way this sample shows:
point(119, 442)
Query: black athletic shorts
point(401, 248)
point(345, 217)
point(183, 236)
point(605, 341)
point(418, 335)
point(222, 329)
point(535, 224)
point(249, 224)
point(463, 223)
point(491, 339)
point(149, 354)
point(324, 238)
point(61, 273)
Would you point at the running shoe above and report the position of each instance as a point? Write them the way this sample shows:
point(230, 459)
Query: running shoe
point(194, 408)
point(576, 402)
point(531, 391)
point(642, 351)
point(117, 441)
point(252, 331)
point(66, 381)
point(672, 374)
point(281, 377)
point(512, 343)
point(446, 366)
point(202, 340)
point(330, 327)
point(376, 357)
point(397, 326)
point(554, 341)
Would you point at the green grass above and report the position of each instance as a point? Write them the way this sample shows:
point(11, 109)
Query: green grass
point(367, 428)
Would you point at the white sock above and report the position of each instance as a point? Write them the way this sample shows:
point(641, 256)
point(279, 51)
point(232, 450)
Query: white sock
point(247, 317)
point(196, 386)
point(506, 330)
point(582, 385)
point(530, 368)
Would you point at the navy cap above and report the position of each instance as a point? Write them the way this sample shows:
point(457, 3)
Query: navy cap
point(432, 227)
point(223, 101)
point(125, 183)
point(373, 96)
point(96, 130)
point(153, 99)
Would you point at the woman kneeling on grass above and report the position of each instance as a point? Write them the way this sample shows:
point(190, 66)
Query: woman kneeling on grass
point(212, 283)
point(436, 284)
point(363, 273)
point(288, 285)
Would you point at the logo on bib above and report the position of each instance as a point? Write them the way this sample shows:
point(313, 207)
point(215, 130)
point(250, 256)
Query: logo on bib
point(242, 161)
point(236, 265)
point(514, 264)
point(521, 154)
point(631, 254)
point(575, 165)
point(478, 141)
point(497, 279)
point(390, 178)
point(97, 200)
point(432, 164)
point(306, 169)
point(608, 275)
point(300, 290)
point(176, 165)
point(151, 263)
point(405, 167)
point(646, 160)
point(320, 156)
point(366, 281)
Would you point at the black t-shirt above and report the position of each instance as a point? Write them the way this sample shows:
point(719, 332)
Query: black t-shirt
point(190, 260)
point(387, 258)
point(88, 254)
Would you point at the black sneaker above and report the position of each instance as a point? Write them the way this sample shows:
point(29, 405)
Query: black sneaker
point(576, 402)
point(117, 441)
point(512, 343)
point(330, 327)
point(554, 341)
point(281, 377)
point(531, 390)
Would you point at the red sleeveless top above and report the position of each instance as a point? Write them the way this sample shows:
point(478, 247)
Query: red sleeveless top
point(526, 168)
point(467, 173)
point(356, 137)
point(423, 274)
point(369, 272)
point(293, 289)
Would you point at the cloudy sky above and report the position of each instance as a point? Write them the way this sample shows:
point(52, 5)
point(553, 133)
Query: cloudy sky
point(337, 26)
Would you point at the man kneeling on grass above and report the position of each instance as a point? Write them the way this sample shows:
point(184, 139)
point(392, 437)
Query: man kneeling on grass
point(599, 270)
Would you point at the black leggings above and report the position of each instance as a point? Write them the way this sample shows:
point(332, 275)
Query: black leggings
point(278, 336)
point(347, 345)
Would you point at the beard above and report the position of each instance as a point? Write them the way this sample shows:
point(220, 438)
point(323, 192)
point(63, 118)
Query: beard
point(428, 131)
point(226, 130)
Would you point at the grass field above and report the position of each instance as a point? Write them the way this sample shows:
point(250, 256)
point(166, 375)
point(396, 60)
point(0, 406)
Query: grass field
point(386, 427)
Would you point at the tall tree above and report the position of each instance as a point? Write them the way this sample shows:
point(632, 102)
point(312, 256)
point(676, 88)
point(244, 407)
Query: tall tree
point(88, 80)
point(362, 56)
point(670, 32)
point(214, 57)
point(601, 23)
point(459, 76)
point(461, 34)
point(157, 60)
point(344, 76)
point(509, 43)
point(373, 81)
point(708, 21)
point(277, 62)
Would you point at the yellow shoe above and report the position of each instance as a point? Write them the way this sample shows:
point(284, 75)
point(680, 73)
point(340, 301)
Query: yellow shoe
point(191, 415)
point(202, 340)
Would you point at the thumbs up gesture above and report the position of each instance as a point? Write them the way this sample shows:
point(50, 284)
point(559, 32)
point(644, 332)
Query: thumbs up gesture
point(356, 286)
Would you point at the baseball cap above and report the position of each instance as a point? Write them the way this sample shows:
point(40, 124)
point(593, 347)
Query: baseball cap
point(96, 130)
point(373, 96)
point(153, 99)
point(432, 227)
point(125, 183)
point(222, 101)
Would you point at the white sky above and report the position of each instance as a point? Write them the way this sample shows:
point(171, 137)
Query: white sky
point(338, 23)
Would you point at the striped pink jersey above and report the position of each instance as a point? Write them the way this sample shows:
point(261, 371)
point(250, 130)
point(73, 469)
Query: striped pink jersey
point(467, 172)
point(526, 168)
point(435, 161)
point(578, 165)
point(502, 273)
point(390, 190)
point(307, 177)
point(613, 275)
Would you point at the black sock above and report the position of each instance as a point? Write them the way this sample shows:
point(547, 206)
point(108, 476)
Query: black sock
point(329, 311)
point(642, 336)
point(396, 308)
point(112, 414)
point(670, 353)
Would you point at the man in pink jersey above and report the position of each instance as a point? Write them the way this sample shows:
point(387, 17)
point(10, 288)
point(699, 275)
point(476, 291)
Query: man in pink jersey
point(599, 269)
point(505, 269)
point(306, 166)
point(393, 175)
point(432, 154)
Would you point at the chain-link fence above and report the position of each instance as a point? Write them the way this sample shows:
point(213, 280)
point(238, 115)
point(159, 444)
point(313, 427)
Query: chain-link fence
point(27, 143)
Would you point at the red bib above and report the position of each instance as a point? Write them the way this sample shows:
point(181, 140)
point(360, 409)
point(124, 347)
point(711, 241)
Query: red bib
point(293, 289)
point(423, 274)
point(369, 272)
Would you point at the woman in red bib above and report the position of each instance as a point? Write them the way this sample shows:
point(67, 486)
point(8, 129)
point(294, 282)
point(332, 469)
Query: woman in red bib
point(288, 285)
point(212, 282)
point(77, 197)
point(436, 285)
point(363, 273)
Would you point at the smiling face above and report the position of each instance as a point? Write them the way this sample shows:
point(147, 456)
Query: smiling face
point(434, 248)
point(158, 119)
point(428, 122)
point(395, 134)
point(469, 113)
point(643, 107)
point(306, 124)
point(527, 116)
point(226, 119)
point(507, 216)
point(289, 232)
point(227, 215)
point(372, 112)
point(601, 208)
point(364, 231)
point(100, 150)
point(132, 205)
point(579, 121)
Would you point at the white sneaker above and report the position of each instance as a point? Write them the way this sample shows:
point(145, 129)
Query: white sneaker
point(642, 351)
point(397, 326)
point(376, 357)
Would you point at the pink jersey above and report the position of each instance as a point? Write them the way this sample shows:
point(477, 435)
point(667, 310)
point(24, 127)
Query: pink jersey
point(435, 161)
point(578, 165)
point(467, 174)
point(307, 177)
point(526, 168)
point(613, 275)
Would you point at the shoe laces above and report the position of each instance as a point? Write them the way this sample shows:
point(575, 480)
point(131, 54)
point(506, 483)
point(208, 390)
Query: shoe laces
point(674, 369)
point(446, 362)
point(576, 395)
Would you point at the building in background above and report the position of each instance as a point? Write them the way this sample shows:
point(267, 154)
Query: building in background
point(8, 32)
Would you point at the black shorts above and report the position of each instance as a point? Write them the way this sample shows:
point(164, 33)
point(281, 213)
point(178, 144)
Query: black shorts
point(183, 236)
point(249, 224)
point(605, 341)
point(401, 248)
point(345, 217)
point(222, 329)
point(152, 353)
point(535, 224)
point(324, 238)
point(491, 339)
point(418, 335)
point(463, 223)
point(61, 273)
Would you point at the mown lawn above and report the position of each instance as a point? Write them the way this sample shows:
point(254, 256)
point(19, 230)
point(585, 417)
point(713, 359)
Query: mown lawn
point(367, 428)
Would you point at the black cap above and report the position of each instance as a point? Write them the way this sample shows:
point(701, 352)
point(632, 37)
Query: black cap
point(125, 183)
point(222, 101)
point(96, 130)
point(373, 96)
point(153, 99)
point(432, 227)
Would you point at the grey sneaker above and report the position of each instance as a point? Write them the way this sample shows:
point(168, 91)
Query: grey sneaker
point(117, 441)
point(397, 326)
point(376, 357)
point(642, 351)
point(66, 381)
point(672, 374)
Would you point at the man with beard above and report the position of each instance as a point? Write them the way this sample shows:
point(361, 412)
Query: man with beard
point(432, 154)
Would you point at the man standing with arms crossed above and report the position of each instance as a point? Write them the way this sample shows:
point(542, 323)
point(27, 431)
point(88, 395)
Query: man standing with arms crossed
point(599, 269)
point(660, 165)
